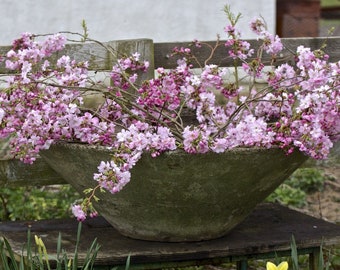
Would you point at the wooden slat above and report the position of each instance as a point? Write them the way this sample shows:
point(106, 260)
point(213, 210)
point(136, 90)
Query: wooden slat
point(97, 56)
point(220, 57)
point(14, 173)
point(268, 230)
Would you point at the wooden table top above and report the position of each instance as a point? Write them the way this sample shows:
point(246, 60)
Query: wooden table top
point(268, 228)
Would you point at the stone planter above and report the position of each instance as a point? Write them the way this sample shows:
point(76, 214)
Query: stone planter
point(178, 196)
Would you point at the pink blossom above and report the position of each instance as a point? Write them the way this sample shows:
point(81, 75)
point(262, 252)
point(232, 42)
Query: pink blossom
point(258, 26)
point(195, 140)
point(240, 49)
point(2, 114)
point(180, 108)
point(272, 43)
point(78, 212)
point(111, 177)
point(220, 145)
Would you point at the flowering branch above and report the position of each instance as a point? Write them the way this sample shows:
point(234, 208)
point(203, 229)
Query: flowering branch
point(216, 109)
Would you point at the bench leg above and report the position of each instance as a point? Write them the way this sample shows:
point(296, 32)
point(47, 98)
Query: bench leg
point(314, 259)
point(242, 265)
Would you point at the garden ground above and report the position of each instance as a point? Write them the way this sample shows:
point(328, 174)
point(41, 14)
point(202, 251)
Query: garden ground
point(326, 203)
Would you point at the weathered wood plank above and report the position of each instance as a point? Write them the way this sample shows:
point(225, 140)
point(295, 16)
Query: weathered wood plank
point(220, 57)
point(97, 55)
point(266, 233)
point(159, 53)
point(14, 173)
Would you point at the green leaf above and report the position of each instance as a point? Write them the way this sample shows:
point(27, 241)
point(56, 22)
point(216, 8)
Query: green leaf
point(294, 254)
point(127, 265)
point(11, 254)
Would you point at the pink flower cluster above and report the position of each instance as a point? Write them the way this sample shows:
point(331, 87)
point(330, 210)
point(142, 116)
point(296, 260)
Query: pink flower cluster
point(42, 103)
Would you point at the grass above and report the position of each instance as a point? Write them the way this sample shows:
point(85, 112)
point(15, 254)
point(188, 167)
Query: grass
point(35, 256)
point(330, 3)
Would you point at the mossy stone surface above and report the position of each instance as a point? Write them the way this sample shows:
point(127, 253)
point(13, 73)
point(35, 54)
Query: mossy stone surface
point(179, 196)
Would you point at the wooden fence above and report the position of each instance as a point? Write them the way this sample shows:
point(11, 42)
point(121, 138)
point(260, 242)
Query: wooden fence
point(14, 173)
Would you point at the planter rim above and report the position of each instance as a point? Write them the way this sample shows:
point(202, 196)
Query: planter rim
point(177, 151)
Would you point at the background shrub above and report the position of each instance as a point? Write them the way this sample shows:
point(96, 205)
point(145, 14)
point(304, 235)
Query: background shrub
point(32, 203)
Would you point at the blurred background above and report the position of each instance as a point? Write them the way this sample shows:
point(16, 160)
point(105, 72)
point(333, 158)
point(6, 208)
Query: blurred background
point(164, 20)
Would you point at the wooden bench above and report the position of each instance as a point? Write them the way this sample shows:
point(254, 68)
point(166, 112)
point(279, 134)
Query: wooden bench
point(266, 233)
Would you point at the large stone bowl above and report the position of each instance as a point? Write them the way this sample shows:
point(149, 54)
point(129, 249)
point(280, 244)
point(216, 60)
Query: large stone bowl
point(179, 196)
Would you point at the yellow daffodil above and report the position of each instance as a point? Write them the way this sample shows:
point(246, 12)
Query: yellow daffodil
point(38, 241)
point(41, 250)
point(281, 266)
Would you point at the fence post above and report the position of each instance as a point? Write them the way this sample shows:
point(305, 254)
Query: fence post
point(143, 46)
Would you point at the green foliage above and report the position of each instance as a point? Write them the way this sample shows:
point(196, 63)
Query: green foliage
point(330, 3)
point(335, 258)
point(322, 264)
point(37, 257)
point(31, 203)
point(294, 255)
point(307, 179)
point(287, 195)
point(294, 190)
